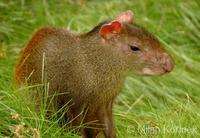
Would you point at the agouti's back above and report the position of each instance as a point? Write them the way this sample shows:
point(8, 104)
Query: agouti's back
point(89, 69)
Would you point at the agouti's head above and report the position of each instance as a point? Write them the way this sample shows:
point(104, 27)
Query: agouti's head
point(142, 51)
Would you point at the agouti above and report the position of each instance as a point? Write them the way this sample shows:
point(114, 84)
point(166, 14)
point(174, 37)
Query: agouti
point(89, 69)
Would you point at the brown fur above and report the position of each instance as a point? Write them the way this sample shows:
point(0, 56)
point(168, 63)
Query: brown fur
point(86, 69)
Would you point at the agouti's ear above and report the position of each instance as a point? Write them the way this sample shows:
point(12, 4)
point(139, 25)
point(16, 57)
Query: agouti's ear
point(126, 16)
point(107, 30)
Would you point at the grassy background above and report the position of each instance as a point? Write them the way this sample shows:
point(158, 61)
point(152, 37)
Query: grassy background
point(166, 106)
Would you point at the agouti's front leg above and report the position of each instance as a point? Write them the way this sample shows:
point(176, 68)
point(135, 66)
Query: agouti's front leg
point(89, 133)
point(105, 117)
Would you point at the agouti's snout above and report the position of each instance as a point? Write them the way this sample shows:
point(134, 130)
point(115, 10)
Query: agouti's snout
point(168, 63)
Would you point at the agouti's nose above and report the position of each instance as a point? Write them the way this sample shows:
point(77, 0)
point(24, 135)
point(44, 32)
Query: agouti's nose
point(168, 63)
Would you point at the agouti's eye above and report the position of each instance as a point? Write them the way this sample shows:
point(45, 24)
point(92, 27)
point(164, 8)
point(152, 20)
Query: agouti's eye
point(134, 48)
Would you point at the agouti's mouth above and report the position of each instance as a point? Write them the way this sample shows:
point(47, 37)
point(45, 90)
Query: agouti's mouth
point(149, 72)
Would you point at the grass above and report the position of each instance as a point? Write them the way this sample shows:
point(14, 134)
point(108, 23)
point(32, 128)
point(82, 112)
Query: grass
point(166, 106)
